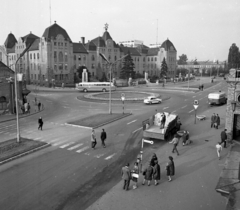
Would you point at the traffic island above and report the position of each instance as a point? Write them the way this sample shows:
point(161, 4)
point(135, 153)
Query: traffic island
point(11, 149)
point(98, 120)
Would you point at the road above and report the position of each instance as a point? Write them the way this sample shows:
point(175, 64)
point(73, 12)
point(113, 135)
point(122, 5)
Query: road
point(69, 175)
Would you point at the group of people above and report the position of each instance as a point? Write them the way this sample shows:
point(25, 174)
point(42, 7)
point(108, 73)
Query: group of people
point(94, 139)
point(151, 172)
point(215, 121)
point(26, 108)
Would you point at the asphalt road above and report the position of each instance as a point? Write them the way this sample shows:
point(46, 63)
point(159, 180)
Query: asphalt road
point(70, 175)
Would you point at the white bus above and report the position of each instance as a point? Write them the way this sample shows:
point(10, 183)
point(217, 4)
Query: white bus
point(94, 86)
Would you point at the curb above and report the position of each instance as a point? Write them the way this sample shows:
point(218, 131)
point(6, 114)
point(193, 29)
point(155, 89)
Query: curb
point(22, 116)
point(25, 153)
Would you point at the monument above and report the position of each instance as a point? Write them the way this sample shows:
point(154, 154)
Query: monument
point(84, 75)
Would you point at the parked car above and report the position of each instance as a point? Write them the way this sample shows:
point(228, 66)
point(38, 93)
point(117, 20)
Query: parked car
point(152, 100)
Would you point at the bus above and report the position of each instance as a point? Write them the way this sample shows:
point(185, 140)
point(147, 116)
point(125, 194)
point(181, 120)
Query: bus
point(95, 86)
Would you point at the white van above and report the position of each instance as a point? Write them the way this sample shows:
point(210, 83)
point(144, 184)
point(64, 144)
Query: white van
point(217, 98)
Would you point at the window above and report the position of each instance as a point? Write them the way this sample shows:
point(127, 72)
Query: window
point(79, 57)
point(84, 57)
point(74, 57)
point(109, 58)
point(155, 58)
point(66, 67)
point(93, 74)
point(31, 67)
point(34, 66)
point(55, 67)
point(66, 57)
point(93, 58)
point(55, 56)
point(65, 44)
point(35, 76)
point(55, 43)
point(60, 66)
point(148, 59)
point(38, 56)
point(92, 66)
point(115, 58)
point(152, 59)
point(60, 56)
point(34, 56)
point(30, 56)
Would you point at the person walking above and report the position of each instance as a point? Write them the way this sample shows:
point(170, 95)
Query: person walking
point(213, 120)
point(156, 173)
point(93, 139)
point(39, 106)
point(29, 107)
point(163, 120)
point(175, 143)
point(153, 159)
point(126, 176)
point(135, 175)
point(103, 137)
point(219, 149)
point(224, 138)
point(40, 123)
point(217, 121)
point(170, 168)
point(148, 173)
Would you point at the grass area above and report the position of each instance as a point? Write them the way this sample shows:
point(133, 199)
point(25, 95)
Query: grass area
point(128, 95)
point(11, 148)
point(98, 119)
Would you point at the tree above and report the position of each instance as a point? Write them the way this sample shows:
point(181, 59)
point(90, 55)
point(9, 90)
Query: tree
point(182, 59)
point(127, 70)
point(164, 69)
point(233, 57)
point(80, 71)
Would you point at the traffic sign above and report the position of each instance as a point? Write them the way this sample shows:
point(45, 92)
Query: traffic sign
point(195, 102)
point(195, 106)
point(123, 96)
point(147, 141)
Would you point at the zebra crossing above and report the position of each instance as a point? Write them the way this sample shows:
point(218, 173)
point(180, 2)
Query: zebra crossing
point(65, 141)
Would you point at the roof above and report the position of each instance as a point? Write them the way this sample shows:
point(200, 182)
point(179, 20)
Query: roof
point(30, 38)
point(106, 36)
point(11, 50)
point(79, 48)
point(99, 42)
point(91, 46)
point(133, 51)
point(10, 41)
point(167, 44)
point(35, 45)
point(153, 51)
point(5, 67)
point(53, 30)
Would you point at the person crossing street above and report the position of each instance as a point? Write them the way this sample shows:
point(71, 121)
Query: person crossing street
point(175, 143)
point(93, 139)
point(103, 137)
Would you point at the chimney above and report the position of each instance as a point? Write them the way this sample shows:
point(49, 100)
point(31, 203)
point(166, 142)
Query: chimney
point(83, 40)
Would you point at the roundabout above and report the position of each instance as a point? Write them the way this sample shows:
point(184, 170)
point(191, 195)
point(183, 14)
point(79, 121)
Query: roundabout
point(130, 96)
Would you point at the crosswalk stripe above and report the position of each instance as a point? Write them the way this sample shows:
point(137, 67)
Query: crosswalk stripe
point(66, 145)
point(83, 149)
point(76, 146)
point(109, 157)
point(37, 138)
point(53, 140)
point(98, 156)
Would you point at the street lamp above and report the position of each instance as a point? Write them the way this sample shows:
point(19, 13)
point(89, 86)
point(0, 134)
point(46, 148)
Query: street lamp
point(110, 77)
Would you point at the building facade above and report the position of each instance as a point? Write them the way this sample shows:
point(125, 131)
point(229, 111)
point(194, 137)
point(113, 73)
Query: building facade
point(54, 58)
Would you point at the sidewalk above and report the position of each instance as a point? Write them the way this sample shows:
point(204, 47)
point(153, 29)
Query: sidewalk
point(193, 186)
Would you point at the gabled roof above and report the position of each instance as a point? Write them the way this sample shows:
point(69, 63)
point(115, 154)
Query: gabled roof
point(133, 51)
point(11, 50)
point(79, 48)
point(106, 36)
point(153, 51)
point(35, 45)
point(90, 46)
point(10, 41)
point(53, 30)
point(5, 67)
point(99, 42)
point(30, 38)
point(167, 44)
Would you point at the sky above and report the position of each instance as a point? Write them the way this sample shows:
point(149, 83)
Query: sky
point(201, 29)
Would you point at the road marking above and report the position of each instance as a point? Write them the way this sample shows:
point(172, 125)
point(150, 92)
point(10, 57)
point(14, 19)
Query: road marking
point(184, 107)
point(83, 149)
point(173, 111)
point(53, 140)
point(165, 107)
point(131, 122)
point(137, 130)
point(200, 99)
point(194, 96)
point(76, 146)
point(66, 145)
point(98, 156)
point(109, 157)
point(191, 111)
point(79, 126)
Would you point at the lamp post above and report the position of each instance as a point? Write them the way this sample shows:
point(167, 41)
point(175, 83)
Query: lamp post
point(110, 77)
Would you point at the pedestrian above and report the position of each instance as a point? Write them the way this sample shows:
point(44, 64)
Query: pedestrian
point(170, 168)
point(40, 123)
point(148, 173)
point(175, 143)
point(219, 149)
point(103, 137)
point(202, 87)
point(135, 175)
point(29, 107)
point(224, 138)
point(156, 173)
point(217, 121)
point(153, 159)
point(126, 176)
point(93, 139)
point(163, 120)
point(26, 107)
point(213, 117)
point(39, 106)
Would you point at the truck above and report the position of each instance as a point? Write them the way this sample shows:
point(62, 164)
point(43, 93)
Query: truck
point(152, 130)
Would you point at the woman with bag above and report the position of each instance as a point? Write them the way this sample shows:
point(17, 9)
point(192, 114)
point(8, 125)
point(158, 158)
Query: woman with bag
point(148, 173)
point(170, 168)
point(135, 175)
point(156, 173)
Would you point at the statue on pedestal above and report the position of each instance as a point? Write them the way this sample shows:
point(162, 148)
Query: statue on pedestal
point(84, 76)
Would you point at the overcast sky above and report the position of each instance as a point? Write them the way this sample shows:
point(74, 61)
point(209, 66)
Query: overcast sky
point(202, 29)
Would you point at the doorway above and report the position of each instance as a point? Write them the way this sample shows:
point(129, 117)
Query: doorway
point(236, 127)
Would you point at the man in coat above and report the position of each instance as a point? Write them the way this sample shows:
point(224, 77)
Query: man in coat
point(217, 121)
point(156, 173)
point(224, 138)
point(93, 139)
point(170, 167)
point(213, 119)
point(175, 143)
point(126, 176)
point(148, 174)
point(103, 137)
point(40, 123)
